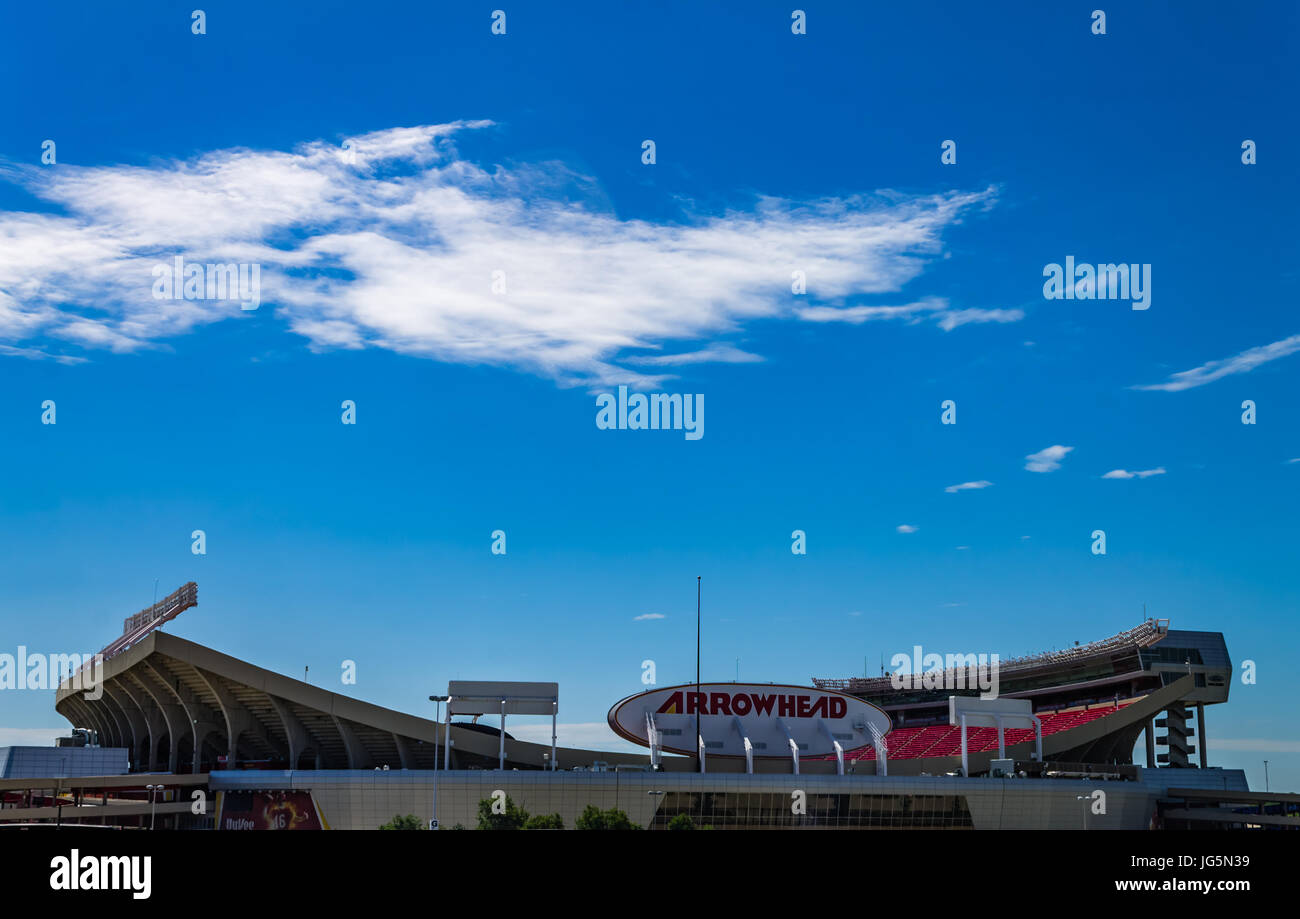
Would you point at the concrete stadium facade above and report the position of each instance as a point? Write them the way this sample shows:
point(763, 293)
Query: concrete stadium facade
point(364, 800)
point(184, 710)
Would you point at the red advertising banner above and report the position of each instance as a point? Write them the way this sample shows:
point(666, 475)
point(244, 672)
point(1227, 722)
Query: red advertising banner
point(268, 810)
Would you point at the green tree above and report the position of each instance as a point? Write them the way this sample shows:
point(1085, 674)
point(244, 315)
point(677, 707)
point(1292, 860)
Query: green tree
point(513, 819)
point(544, 822)
point(409, 822)
point(593, 818)
point(681, 822)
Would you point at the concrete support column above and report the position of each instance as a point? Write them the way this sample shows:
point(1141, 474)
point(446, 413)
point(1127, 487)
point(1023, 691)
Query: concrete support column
point(1151, 742)
point(232, 750)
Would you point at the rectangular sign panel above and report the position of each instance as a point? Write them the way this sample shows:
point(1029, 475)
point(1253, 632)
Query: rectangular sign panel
point(984, 713)
point(484, 697)
point(268, 810)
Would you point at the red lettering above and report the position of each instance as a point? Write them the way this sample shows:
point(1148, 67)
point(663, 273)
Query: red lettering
point(786, 706)
point(720, 703)
point(697, 701)
point(740, 704)
point(762, 704)
point(672, 705)
point(819, 707)
point(803, 709)
point(839, 708)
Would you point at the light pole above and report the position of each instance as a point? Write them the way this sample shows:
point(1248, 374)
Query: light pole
point(658, 804)
point(1087, 799)
point(153, 802)
point(699, 758)
point(1265, 770)
point(437, 719)
point(58, 793)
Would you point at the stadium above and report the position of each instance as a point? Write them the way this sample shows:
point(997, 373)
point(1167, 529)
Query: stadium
point(182, 736)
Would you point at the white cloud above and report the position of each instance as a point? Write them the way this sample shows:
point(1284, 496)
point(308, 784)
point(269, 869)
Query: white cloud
point(964, 486)
point(1239, 363)
point(591, 735)
point(935, 308)
point(906, 528)
point(1047, 459)
point(954, 318)
point(398, 250)
point(714, 354)
point(645, 616)
point(31, 737)
point(1138, 474)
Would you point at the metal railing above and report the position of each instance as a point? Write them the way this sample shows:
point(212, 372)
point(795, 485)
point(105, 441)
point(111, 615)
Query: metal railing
point(1139, 637)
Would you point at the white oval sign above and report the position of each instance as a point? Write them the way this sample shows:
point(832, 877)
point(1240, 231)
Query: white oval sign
point(770, 716)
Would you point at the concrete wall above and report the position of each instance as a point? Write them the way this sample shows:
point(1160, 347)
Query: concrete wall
point(358, 799)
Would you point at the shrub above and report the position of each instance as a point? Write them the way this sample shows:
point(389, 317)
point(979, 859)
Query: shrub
point(514, 817)
point(593, 818)
point(544, 822)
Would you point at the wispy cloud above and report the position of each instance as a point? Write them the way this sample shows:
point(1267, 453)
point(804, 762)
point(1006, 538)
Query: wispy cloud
point(36, 354)
point(397, 250)
point(715, 354)
point(856, 315)
point(935, 308)
point(1239, 363)
point(1047, 459)
point(951, 319)
point(906, 528)
point(964, 486)
point(645, 616)
point(1138, 474)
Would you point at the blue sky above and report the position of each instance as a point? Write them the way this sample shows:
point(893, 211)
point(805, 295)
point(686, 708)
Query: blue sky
point(774, 153)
